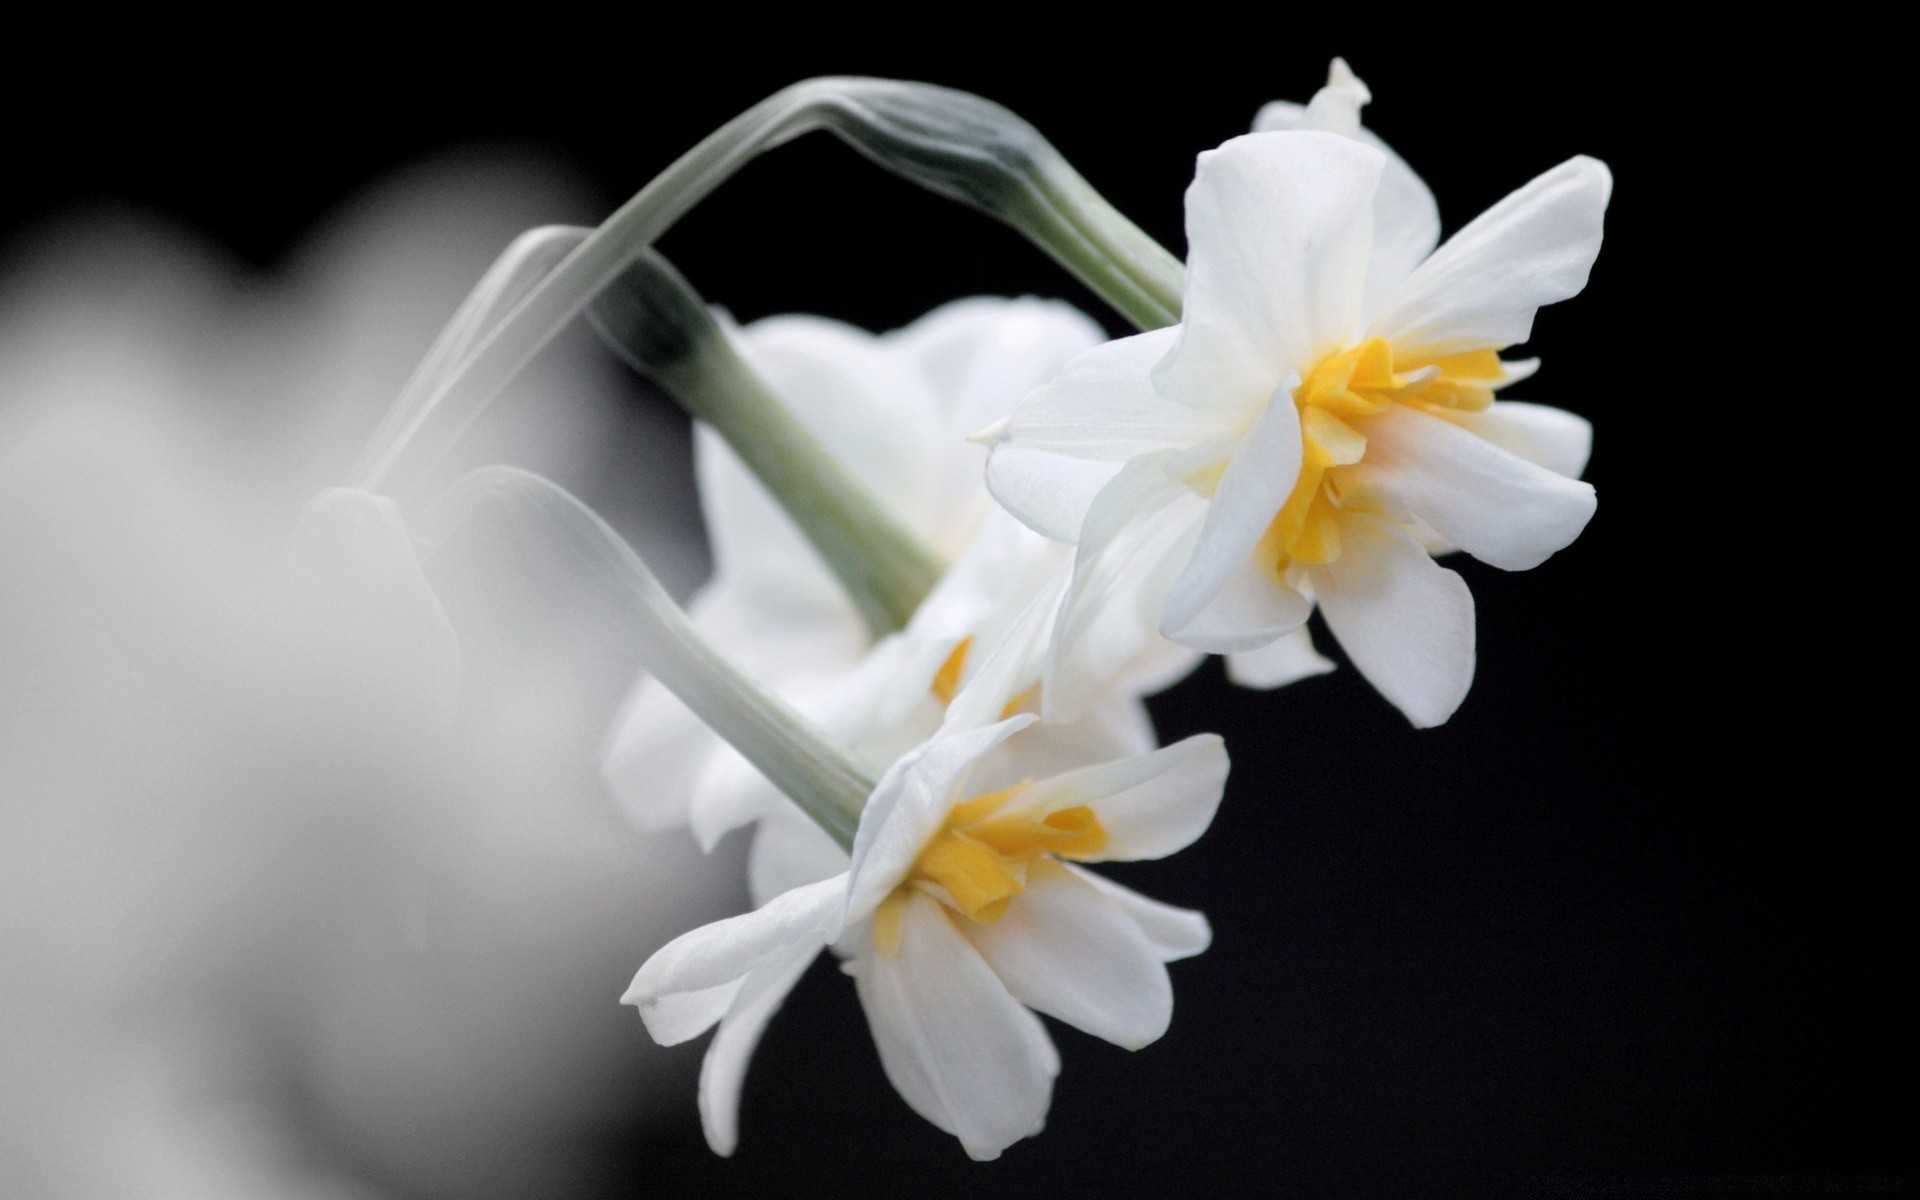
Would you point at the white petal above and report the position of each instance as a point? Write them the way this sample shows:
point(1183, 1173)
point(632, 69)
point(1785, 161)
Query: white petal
point(1258, 477)
point(1255, 607)
point(1482, 287)
point(729, 793)
point(657, 754)
point(719, 955)
point(1141, 525)
point(908, 806)
point(724, 1069)
point(1071, 952)
point(756, 545)
point(1404, 620)
point(1278, 226)
point(1406, 220)
point(1280, 662)
point(1553, 437)
point(868, 405)
point(1174, 933)
point(1065, 439)
point(1149, 806)
point(789, 851)
point(1495, 505)
point(959, 1049)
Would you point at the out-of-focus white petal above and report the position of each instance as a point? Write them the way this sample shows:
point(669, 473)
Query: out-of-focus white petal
point(1553, 437)
point(1482, 288)
point(724, 1069)
point(1070, 951)
point(729, 793)
point(1174, 933)
point(1493, 504)
point(868, 406)
point(789, 851)
point(909, 805)
point(1064, 441)
point(1278, 232)
point(1149, 806)
point(1404, 620)
point(657, 754)
point(351, 571)
point(1282, 661)
point(1258, 476)
point(959, 1049)
point(720, 955)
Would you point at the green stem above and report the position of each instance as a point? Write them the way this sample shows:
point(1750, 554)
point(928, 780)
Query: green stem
point(656, 321)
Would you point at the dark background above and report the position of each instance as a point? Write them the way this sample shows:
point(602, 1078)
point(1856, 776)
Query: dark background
point(1629, 916)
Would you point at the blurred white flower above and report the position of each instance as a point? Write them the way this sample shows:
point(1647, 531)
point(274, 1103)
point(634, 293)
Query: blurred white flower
point(895, 409)
point(299, 898)
point(1323, 413)
point(962, 910)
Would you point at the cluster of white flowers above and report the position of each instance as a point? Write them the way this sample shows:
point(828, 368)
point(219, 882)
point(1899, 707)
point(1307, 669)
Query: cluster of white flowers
point(1317, 428)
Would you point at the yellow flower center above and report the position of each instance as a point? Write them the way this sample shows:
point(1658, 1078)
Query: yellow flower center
point(1356, 383)
point(979, 859)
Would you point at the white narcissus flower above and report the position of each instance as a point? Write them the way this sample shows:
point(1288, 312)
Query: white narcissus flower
point(1323, 419)
point(963, 913)
point(896, 410)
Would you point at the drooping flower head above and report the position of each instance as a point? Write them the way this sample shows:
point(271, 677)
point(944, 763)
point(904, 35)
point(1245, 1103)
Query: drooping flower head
point(1323, 419)
point(966, 909)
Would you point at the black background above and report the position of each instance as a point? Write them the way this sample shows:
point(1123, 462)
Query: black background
point(1629, 917)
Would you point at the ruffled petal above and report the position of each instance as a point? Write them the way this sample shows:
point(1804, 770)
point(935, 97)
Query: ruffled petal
point(1481, 289)
point(1404, 620)
point(1284, 660)
point(957, 1047)
point(1278, 231)
point(1258, 477)
point(1149, 806)
point(1174, 933)
point(1495, 505)
point(1070, 951)
point(908, 807)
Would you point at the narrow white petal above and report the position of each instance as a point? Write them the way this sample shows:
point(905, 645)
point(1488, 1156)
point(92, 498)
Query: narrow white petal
point(1482, 288)
point(1149, 806)
point(656, 756)
point(1553, 437)
point(1070, 951)
point(1493, 504)
point(719, 955)
point(724, 1069)
point(959, 1049)
point(1404, 620)
point(1259, 475)
point(1280, 662)
point(1278, 232)
point(908, 807)
point(1174, 933)
point(1139, 529)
